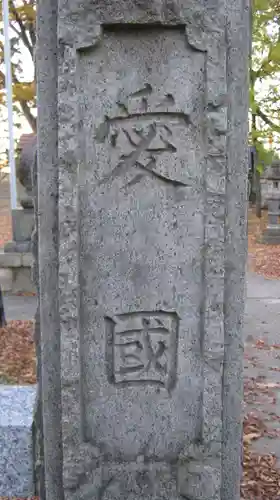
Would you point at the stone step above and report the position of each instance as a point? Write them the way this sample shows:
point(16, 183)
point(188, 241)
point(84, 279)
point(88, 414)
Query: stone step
point(16, 272)
point(16, 456)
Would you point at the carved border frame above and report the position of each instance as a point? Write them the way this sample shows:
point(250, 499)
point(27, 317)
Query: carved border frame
point(213, 273)
point(84, 37)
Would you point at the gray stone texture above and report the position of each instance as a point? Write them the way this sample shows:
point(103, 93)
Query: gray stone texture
point(49, 350)
point(27, 146)
point(22, 225)
point(152, 124)
point(271, 235)
point(13, 246)
point(19, 307)
point(23, 222)
point(38, 431)
point(16, 467)
point(15, 272)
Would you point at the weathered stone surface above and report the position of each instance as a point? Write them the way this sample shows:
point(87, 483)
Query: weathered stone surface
point(6, 278)
point(10, 260)
point(46, 66)
point(271, 235)
point(27, 146)
point(16, 474)
point(15, 272)
point(14, 247)
point(22, 223)
point(151, 122)
point(38, 431)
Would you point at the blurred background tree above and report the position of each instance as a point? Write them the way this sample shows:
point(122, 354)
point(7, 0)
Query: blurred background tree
point(264, 75)
point(23, 39)
point(264, 86)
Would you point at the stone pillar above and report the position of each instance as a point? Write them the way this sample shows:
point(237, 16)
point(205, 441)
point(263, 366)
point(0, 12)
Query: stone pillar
point(47, 130)
point(38, 434)
point(143, 247)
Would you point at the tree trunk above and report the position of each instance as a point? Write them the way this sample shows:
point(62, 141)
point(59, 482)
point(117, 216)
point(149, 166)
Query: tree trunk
point(29, 116)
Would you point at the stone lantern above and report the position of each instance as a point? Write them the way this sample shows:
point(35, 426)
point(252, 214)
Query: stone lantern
point(23, 216)
point(16, 260)
point(271, 234)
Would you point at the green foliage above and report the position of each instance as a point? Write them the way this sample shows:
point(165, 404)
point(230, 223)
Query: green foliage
point(264, 69)
point(264, 77)
point(22, 24)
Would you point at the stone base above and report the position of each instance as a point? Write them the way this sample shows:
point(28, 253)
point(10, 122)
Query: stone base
point(16, 272)
point(27, 203)
point(18, 247)
point(270, 237)
point(16, 457)
point(22, 223)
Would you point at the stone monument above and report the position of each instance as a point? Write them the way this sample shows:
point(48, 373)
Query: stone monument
point(23, 217)
point(27, 147)
point(142, 127)
point(271, 235)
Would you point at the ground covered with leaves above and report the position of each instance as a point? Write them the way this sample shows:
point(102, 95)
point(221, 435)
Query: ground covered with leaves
point(261, 474)
point(261, 436)
point(261, 477)
point(17, 353)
